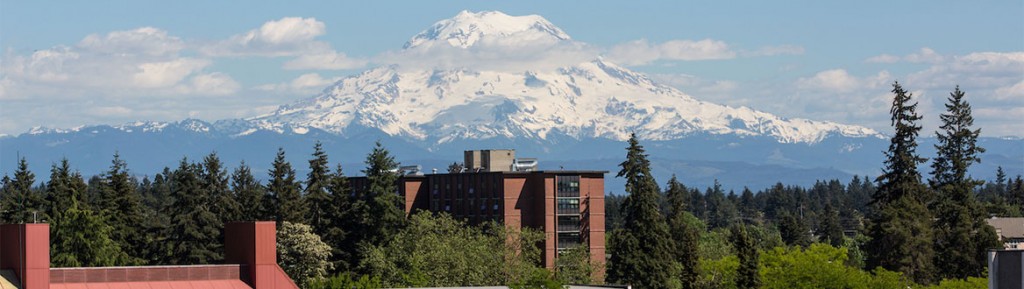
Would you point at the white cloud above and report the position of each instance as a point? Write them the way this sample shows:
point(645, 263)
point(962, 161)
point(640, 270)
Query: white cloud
point(211, 84)
point(329, 60)
point(1015, 91)
point(305, 84)
point(166, 73)
point(924, 55)
point(144, 40)
point(289, 36)
point(776, 50)
point(641, 52)
point(839, 80)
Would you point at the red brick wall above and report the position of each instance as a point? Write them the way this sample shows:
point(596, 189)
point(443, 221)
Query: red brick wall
point(592, 202)
point(25, 249)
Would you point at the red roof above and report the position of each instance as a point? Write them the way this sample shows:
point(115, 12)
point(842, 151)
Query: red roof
point(201, 284)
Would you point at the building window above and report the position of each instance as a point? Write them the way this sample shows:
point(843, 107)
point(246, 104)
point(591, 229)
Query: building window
point(568, 223)
point(568, 240)
point(568, 186)
point(569, 206)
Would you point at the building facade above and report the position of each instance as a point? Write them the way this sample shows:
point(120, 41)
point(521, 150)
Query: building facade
point(566, 205)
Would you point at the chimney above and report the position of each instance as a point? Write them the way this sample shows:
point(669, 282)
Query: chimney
point(25, 249)
point(254, 245)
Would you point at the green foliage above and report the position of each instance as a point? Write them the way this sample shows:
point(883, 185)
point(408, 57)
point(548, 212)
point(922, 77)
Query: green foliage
point(382, 196)
point(122, 203)
point(18, 204)
point(438, 251)
point(573, 266)
point(901, 231)
point(830, 230)
point(746, 275)
point(821, 266)
point(969, 283)
point(641, 252)
point(316, 197)
point(961, 235)
point(340, 221)
point(215, 181)
point(250, 194)
point(64, 189)
point(719, 273)
point(82, 239)
point(685, 233)
point(346, 281)
point(794, 230)
point(302, 254)
point(539, 278)
point(285, 200)
point(191, 236)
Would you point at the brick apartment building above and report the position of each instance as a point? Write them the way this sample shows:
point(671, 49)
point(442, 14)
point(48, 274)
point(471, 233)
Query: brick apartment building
point(567, 205)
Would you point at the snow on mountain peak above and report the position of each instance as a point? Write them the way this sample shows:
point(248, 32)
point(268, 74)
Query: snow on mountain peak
point(491, 27)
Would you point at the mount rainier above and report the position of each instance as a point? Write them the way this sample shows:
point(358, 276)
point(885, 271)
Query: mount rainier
point(490, 80)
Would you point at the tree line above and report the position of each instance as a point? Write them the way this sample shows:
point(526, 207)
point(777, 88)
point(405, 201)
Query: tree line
point(898, 229)
point(326, 230)
point(895, 230)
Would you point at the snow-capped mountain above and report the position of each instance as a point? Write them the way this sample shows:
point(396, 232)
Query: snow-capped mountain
point(490, 80)
point(593, 99)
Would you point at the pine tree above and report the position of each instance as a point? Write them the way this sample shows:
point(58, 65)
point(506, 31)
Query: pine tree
point(18, 203)
point(339, 220)
point(64, 187)
point(287, 198)
point(642, 249)
point(249, 192)
point(383, 200)
point(81, 238)
point(901, 229)
point(123, 205)
point(830, 230)
point(960, 248)
point(793, 230)
point(685, 235)
point(215, 181)
point(316, 197)
point(746, 275)
point(193, 229)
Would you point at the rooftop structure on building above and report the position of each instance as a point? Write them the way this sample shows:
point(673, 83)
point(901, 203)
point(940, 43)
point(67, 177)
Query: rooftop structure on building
point(1010, 231)
point(496, 185)
point(250, 263)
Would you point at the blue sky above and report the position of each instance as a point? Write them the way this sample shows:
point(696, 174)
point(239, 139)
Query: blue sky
point(65, 64)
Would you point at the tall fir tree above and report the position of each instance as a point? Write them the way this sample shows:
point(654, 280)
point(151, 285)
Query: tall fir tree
point(340, 222)
point(830, 230)
point(287, 202)
point(901, 227)
point(249, 192)
point(122, 203)
point(382, 196)
point(316, 197)
point(746, 276)
point(223, 204)
point(193, 229)
point(81, 238)
point(686, 235)
point(64, 187)
point(961, 238)
point(18, 203)
point(642, 250)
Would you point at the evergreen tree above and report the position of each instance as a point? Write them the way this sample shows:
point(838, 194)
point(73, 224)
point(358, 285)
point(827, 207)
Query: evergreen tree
point(215, 181)
point(287, 202)
point(793, 230)
point(383, 200)
point(960, 249)
point(18, 203)
point(830, 230)
point(642, 250)
point(316, 197)
point(81, 238)
point(193, 229)
point(64, 187)
point(122, 204)
point(158, 199)
point(746, 275)
point(249, 192)
point(901, 229)
point(685, 235)
point(340, 222)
